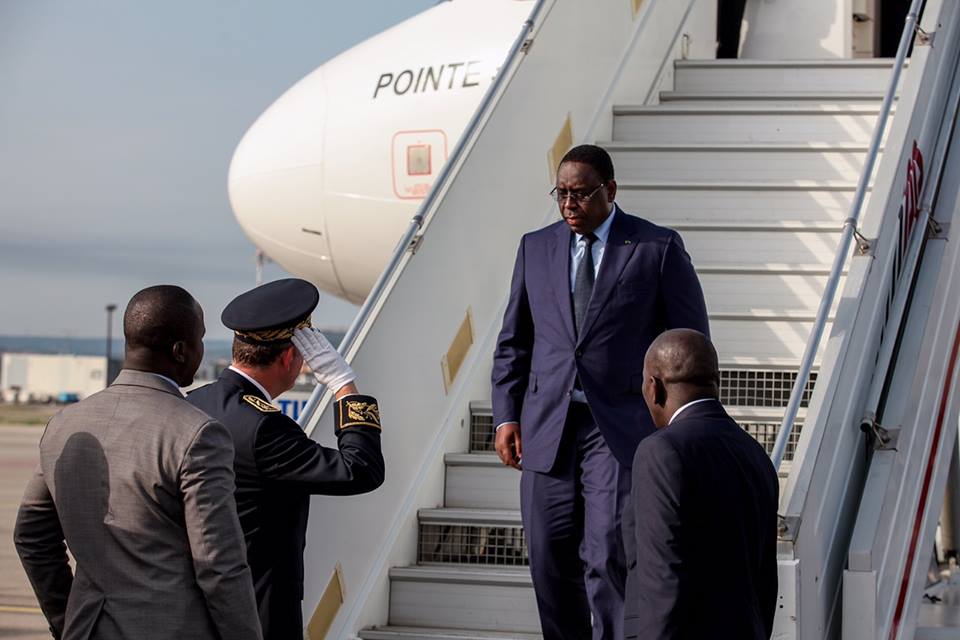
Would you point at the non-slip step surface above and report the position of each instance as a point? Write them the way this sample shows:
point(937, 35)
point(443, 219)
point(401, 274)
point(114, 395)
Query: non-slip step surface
point(390, 632)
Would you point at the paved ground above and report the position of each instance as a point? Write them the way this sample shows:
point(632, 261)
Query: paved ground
point(20, 619)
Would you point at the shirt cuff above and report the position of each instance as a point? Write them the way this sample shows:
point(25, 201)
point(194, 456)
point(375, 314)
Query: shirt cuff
point(503, 423)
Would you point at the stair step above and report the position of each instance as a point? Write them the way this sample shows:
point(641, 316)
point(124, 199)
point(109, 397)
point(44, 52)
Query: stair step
point(812, 109)
point(744, 125)
point(770, 269)
point(778, 341)
point(765, 315)
point(463, 598)
point(742, 163)
point(760, 247)
point(487, 517)
point(763, 75)
point(726, 293)
point(825, 64)
point(721, 226)
point(391, 632)
point(770, 98)
point(480, 481)
point(746, 202)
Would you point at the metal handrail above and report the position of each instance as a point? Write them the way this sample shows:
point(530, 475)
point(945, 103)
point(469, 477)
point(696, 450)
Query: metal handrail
point(849, 229)
point(407, 242)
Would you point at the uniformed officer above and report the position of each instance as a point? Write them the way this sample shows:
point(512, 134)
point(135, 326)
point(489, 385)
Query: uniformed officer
point(277, 466)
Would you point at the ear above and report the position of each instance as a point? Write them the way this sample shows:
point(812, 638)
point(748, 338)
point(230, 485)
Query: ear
point(611, 190)
point(288, 356)
point(179, 351)
point(659, 392)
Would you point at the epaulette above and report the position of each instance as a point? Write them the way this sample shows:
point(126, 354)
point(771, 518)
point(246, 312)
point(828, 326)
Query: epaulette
point(260, 404)
point(356, 411)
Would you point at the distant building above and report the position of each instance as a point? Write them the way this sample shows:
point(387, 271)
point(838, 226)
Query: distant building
point(40, 377)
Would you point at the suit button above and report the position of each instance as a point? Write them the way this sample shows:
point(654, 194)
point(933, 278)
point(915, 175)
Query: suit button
point(578, 353)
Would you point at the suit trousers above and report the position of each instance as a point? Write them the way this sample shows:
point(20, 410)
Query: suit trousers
point(571, 517)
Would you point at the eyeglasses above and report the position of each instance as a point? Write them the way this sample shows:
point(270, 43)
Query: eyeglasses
point(561, 195)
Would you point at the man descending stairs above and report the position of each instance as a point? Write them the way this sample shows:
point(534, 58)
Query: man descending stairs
point(755, 164)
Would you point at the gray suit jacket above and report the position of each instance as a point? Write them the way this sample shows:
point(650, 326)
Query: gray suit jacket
point(139, 483)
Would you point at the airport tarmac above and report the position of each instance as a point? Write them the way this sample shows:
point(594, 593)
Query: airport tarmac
point(20, 618)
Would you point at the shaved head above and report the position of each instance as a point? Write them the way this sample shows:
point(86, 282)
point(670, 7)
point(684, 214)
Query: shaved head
point(163, 328)
point(683, 356)
point(681, 366)
point(156, 317)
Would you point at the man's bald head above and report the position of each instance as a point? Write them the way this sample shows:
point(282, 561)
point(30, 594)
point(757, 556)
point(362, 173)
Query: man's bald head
point(683, 356)
point(156, 317)
point(681, 366)
point(163, 328)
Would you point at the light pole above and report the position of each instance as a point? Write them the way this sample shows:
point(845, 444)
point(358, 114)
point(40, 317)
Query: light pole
point(110, 309)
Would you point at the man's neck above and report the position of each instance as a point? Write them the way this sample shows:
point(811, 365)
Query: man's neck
point(156, 368)
point(263, 378)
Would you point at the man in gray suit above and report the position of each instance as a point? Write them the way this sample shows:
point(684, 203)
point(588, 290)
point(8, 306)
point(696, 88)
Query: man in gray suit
point(139, 484)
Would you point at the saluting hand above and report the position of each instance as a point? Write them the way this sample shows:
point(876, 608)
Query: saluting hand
point(328, 367)
point(507, 444)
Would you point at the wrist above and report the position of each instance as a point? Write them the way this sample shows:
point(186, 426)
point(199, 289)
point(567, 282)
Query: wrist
point(347, 389)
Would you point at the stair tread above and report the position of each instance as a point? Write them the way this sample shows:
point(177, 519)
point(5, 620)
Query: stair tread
point(389, 632)
point(766, 315)
point(773, 96)
point(464, 574)
point(747, 63)
point(771, 267)
point(780, 225)
point(480, 516)
point(728, 109)
point(793, 185)
point(838, 147)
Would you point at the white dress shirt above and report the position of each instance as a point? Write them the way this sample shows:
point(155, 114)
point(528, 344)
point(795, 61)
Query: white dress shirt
point(689, 404)
point(578, 247)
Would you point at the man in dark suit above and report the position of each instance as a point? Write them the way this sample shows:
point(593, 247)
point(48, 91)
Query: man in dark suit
point(589, 294)
point(140, 485)
point(700, 531)
point(277, 466)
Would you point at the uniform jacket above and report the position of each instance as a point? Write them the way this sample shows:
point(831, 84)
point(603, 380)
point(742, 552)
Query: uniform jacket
point(278, 467)
point(140, 485)
point(645, 285)
point(700, 532)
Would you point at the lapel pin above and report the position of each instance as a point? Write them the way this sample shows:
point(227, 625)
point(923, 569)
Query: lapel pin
point(626, 242)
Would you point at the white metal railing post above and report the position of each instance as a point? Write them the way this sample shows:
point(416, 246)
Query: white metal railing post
point(849, 228)
point(407, 240)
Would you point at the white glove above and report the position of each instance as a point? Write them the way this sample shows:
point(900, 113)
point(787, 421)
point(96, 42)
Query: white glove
point(328, 367)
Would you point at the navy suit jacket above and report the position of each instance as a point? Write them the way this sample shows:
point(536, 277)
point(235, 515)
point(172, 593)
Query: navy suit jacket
point(700, 532)
point(646, 284)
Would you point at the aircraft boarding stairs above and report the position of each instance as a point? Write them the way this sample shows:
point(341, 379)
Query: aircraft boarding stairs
point(755, 163)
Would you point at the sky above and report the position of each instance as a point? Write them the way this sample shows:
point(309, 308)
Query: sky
point(118, 120)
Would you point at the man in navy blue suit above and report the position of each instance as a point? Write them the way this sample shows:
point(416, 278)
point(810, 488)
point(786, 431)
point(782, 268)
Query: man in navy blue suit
point(700, 530)
point(589, 294)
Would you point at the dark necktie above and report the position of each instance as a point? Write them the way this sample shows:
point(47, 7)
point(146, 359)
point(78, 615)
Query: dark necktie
point(583, 282)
